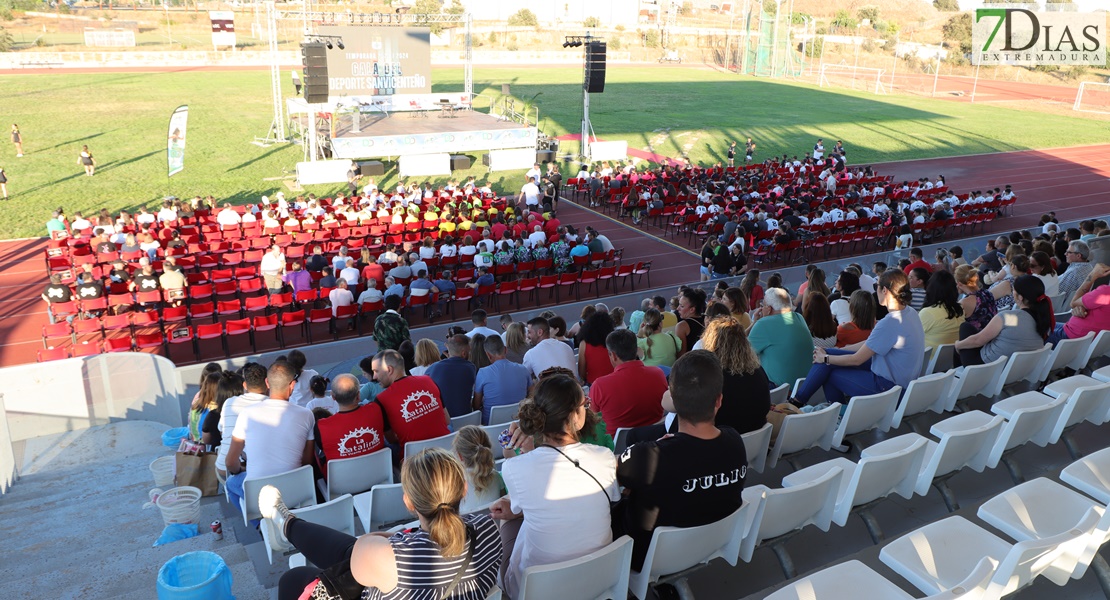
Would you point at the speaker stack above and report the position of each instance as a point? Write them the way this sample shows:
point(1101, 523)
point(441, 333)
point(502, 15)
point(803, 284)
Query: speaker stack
point(595, 67)
point(315, 60)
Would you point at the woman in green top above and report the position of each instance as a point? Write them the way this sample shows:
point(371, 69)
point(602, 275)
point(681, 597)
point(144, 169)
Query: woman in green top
point(659, 349)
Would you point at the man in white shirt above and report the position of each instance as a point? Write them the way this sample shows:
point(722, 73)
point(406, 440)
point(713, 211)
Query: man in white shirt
point(349, 273)
point(167, 213)
point(478, 318)
point(537, 236)
point(546, 352)
point(529, 195)
point(340, 296)
point(143, 218)
point(534, 173)
point(254, 391)
point(275, 434)
point(272, 268)
point(836, 215)
point(372, 293)
point(340, 261)
point(228, 216)
point(80, 223)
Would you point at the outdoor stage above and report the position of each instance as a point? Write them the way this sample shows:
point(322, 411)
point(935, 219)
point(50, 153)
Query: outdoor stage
point(427, 132)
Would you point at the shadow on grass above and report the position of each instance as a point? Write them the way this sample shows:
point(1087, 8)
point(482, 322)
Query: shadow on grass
point(80, 140)
point(119, 163)
point(257, 158)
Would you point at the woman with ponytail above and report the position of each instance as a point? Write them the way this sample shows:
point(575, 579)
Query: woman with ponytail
point(891, 355)
point(448, 556)
point(1022, 329)
point(659, 349)
point(483, 482)
point(560, 483)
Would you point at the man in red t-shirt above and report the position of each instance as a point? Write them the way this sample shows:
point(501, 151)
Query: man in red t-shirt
point(917, 259)
point(353, 431)
point(412, 406)
point(630, 396)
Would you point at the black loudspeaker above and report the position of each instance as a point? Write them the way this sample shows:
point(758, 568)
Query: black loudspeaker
point(371, 167)
point(460, 162)
point(315, 59)
point(595, 67)
point(545, 156)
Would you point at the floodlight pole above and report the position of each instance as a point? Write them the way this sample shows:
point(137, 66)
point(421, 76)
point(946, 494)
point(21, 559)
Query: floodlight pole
point(975, 85)
point(936, 74)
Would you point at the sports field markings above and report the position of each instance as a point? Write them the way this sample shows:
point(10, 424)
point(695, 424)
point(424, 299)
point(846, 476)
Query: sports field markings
point(637, 230)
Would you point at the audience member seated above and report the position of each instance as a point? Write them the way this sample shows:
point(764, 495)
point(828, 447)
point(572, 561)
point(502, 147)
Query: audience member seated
point(890, 356)
point(546, 352)
point(664, 481)
point(483, 482)
point(390, 328)
point(861, 308)
point(1019, 330)
point(501, 383)
point(454, 376)
point(412, 405)
point(979, 304)
point(781, 338)
point(547, 489)
point(942, 314)
point(298, 279)
point(340, 296)
point(371, 293)
point(657, 349)
point(1090, 310)
point(252, 391)
point(630, 395)
point(1077, 254)
point(230, 385)
point(819, 319)
point(420, 563)
point(593, 358)
point(276, 435)
point(318, 385)
point(746, 398)
point(353, 431)
point(479, 319)
point(691, 313)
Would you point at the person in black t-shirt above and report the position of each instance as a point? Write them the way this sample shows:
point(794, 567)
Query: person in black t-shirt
point(119, 273)
point(57, 291)
point(317, 261)
point(146, 280)
point(690, 478)
point(103, 244)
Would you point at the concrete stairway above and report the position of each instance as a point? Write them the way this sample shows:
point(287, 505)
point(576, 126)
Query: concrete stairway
point(73, 525)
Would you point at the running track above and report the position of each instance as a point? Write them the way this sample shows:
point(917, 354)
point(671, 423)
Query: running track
point(1074, 182)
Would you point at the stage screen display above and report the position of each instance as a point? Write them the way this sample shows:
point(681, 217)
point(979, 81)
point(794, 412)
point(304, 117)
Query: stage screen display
point(379, 61)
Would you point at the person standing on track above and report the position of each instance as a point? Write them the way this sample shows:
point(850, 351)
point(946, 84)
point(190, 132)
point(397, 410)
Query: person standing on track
point(17, 139)
point(749, 151)
point(732, 154)
point(85, 159)
point(3, 183)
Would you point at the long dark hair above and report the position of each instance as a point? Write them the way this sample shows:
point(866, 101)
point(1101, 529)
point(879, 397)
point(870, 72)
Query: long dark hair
point(941, 291)
point(1039, 306)
point(818, 316)
point(596, 329)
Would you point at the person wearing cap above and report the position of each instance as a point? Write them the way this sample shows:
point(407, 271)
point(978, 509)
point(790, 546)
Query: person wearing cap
point(1023, 329)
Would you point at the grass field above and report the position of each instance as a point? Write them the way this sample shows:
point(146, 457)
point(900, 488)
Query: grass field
point(675, 111)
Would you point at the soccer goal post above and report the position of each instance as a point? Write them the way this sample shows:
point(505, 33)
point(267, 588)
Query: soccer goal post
point(863, 78)
point(1093, 97)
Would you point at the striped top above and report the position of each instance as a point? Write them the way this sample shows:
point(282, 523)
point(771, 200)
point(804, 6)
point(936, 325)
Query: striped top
point(423, 574)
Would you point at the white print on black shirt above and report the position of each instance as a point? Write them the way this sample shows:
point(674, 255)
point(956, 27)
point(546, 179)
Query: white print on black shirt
point(54, 293)
point(718, 480)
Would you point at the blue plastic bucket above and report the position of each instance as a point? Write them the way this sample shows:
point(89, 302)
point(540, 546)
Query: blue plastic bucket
point(195, 576)
point(171, 438)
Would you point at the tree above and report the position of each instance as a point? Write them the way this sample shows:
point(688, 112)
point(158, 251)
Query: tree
point(651, 38)
point(958, 31)
point(868, 13)
point(770, 7)
point(523, 18)
point(591, 22)
point(799, 18)
point(947, 5)
point(456, 8)
point(844, 20)
point(6, 40)
point(429, 7)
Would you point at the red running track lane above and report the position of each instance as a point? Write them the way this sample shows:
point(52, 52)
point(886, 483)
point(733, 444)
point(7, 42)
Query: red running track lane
point(1074, 182)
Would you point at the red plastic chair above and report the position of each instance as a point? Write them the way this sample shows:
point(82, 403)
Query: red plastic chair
point(265, 323)
point(48, 354)
point(290, 319)
point(229, 307)
point(281, 301)
point(149, 318)
point(510, 289)
point(256, 304)
point(566, 280)
point(149, 340)
point(57, 330)
point(317, 315)
point(237, 327)
point(588, 278)
point(210, 331)
point(200, 292)
point(344, 312)
point(118, 344)
point(462, 294)
point(607, 274)
point(86, 326)
point(528, 284)
point(222, 275)
point(641, 269)
point(201, 311)
point(85, 349)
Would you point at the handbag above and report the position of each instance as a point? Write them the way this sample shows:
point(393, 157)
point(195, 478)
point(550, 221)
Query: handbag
point(615, 508)
point(197, 469)
point(338, 583)
point(777, 415)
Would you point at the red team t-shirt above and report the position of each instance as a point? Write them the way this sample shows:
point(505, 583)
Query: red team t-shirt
point(413, 409)
point(350, 434)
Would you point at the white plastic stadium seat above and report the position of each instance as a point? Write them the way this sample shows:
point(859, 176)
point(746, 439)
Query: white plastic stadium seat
point(358, 474)
point(1098, 348)
point(855, 580)
point(297, 489)
point(596, 576)
point(865, 413)
point(620, 439)
point(756, 445)
point(471, 418)
point(1040, 509)
point(382, 507)
point(957, 449)
point(338, 514)
point(942, 359)
point(1022, 366)
point(1090, 475)
point(676, 549)
point(1065, 353)
point(443, 441)
point(939, 556)
point(785, 510)
point(504, 414)
point(799, 433)
point(868, 480)
point(972, 381)
point(780, 394)
point(927, 393)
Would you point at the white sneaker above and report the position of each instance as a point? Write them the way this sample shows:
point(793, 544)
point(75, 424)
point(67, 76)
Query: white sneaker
point(274, 517)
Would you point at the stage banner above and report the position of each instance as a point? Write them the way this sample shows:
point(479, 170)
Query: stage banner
point(175, 147)
point(223, 27)
point(379, 61)
point(431, 143)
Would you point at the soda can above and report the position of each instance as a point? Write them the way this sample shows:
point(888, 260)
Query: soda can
point(218, 529)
